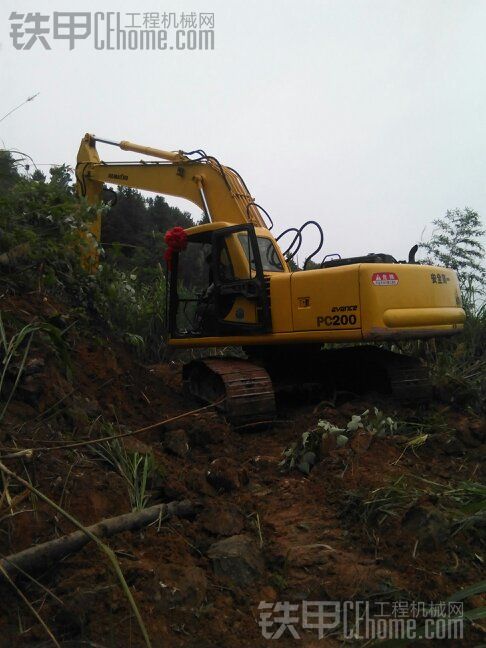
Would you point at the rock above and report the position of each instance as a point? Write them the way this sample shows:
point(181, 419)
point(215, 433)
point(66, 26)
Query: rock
point(176, 442)
point(196, 481)
point(206, 432)
point(453, 446)
point(427, 523)
point(181, 586)
point(225, 521)
point(361, 441)
point(92, 408)
point(304, 467)
point(481, 453)
point(77, 417)
point(312, 554)
point(327, 445)
point(224, 474)
point(263, 462)
point(237, 559)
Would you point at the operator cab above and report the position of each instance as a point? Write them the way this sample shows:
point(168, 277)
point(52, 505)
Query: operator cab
point(219, 283)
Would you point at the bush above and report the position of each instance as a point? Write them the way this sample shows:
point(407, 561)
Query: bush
point(458, 365)
point(44, 238)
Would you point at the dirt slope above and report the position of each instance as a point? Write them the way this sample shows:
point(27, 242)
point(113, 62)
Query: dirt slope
point(297, 537)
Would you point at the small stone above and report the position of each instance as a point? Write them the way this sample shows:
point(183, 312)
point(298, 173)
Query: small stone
point(77, 417)
point(263, 462)
point(237, 559)
point(427, 523)
point(207, 432)
point(224, 474)
point(361, 441)
point(183, 586)
point(225, 521)
point(453, 447)
point(175, 441)
point(464, 434)
point(92, 408)
point(312, 554)
point(196, 481)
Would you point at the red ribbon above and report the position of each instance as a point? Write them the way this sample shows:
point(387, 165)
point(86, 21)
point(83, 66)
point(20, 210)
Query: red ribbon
point(176, 240)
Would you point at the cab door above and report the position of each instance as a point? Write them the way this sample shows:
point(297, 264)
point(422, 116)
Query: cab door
point(241, 300)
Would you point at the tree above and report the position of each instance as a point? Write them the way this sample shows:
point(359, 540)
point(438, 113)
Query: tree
point(8, 170)
point(132, 233)
point(61, 177)
point(456, 243)
point(38, 176)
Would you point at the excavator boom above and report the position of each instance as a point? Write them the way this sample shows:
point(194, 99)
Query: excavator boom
point(218, 191)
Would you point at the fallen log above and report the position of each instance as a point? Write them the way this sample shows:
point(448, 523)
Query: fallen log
point(42, 555)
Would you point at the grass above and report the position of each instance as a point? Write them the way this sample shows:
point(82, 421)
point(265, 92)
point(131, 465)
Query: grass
point(134, 310)
point(11, 348)
point(136, 469)
point(458, 365)
point(468, 615)
point(14, 352)
point(462, 503)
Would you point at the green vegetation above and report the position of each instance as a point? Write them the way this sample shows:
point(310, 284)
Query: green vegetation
point(15, 351)
point(462, 504)
point(40, 260)
point(41, 250)
point(458, 365)
point(137, 469)
point(44, 235)
point(456, 243)
point(316, 442)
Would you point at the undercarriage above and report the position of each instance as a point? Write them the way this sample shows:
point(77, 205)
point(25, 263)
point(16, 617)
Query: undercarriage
point(248, 391)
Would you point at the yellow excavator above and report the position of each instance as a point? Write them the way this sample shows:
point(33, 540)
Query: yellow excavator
point(248, 293)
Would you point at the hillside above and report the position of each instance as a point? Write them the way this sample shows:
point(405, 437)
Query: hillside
point(93, 417)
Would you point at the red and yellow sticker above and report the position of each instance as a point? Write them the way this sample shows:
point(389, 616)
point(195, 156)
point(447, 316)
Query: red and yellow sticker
point(384, 279)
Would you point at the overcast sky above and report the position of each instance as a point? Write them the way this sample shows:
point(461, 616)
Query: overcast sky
point(366, 115)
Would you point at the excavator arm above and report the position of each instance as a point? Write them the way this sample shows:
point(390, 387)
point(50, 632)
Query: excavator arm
point(218, 191)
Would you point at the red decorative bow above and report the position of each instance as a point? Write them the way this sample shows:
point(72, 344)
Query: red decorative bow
point(176, 239)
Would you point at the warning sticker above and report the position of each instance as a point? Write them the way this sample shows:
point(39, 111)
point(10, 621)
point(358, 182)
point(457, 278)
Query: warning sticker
point(384, 279)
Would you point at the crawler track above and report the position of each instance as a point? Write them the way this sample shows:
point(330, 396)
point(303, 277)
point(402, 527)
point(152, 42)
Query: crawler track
point(246, 388)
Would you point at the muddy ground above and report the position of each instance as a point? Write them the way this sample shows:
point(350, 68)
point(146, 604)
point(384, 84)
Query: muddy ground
point(286, 536)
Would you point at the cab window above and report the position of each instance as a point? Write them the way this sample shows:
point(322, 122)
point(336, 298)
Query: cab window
point(268, 253)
